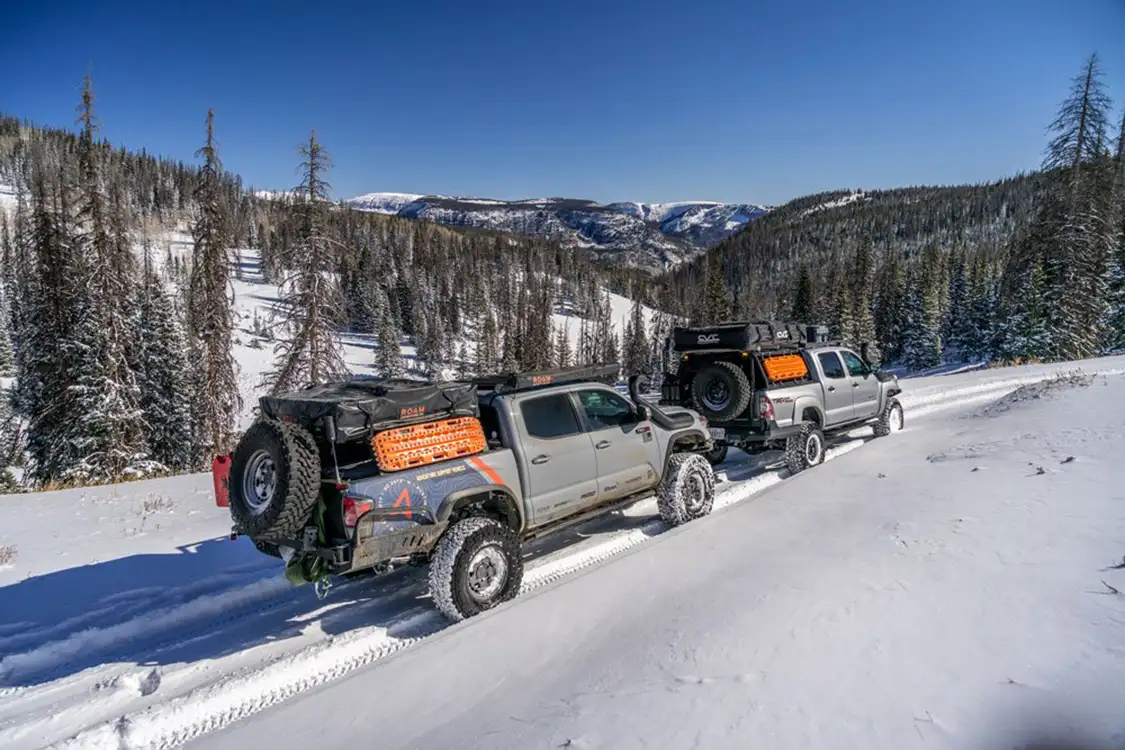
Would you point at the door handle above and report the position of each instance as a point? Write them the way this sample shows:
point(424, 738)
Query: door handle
point(603, 444)
point(855, 385)
point(831, 388)
point(542, 458)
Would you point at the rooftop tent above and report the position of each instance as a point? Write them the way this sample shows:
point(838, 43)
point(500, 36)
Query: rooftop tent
point(361, 406)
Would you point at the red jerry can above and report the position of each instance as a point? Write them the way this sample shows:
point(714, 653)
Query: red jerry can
point(220, 471)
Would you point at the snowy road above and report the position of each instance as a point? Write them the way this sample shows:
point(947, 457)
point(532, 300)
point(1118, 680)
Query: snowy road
point(174, 634)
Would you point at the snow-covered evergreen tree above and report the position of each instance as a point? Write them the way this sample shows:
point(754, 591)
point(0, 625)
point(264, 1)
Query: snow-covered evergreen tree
point(310, 300)
point(563, 347)
point(1078, 241)
point(488, 345)
point(165, 367)
point(862, 292)
point(802, 310)
point(107, 429)
point(922, 345)
point(635, 341)
point(215, 401)
point(388, 354)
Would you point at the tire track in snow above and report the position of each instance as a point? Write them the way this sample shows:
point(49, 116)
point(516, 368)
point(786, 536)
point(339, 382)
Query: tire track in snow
point(225, 701)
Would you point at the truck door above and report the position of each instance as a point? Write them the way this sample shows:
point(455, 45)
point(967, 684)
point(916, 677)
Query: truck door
point(837, 389)
point(865, 386)
point(626, 449)
point(561, 473)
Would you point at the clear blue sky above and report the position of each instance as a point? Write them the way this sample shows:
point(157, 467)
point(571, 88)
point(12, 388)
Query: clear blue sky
point(734, 100)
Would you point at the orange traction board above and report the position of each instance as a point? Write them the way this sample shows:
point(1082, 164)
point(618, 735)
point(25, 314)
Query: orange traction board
point(785, 367)
point(427, 443)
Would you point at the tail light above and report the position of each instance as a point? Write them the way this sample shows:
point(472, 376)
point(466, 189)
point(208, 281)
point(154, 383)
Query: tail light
point(354, 508)
point(765, 409)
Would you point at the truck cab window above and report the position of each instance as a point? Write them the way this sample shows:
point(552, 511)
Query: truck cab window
point(604, 409)
point(830, 363)
point(856, 368)
point(550, 416)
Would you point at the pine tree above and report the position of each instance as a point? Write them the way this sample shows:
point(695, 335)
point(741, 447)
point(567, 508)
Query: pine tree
point(803, 296)
point(107, 428)
point(216, 401)
point(388, 355)
point(488, 345)
point(1075, 254)
point(1115, 316)
point(922, 345)
point(7, 356)
point(890, 308)
point(716, 301)
point(166, 387)
point(636, 342)
point(842, 325)
point(862, 290)
point(310, 300)
point(463, 361)
point(562, 347)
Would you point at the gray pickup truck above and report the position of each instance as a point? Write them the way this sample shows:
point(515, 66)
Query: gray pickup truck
point(770, 385)
point(562, 446)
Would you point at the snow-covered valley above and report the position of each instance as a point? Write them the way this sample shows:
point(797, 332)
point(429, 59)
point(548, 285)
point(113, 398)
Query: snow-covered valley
point(929, 588)
point(649, 235)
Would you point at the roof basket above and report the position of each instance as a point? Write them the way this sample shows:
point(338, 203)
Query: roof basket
point(522, 381)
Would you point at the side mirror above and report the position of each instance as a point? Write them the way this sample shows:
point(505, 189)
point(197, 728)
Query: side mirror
point(643, 413)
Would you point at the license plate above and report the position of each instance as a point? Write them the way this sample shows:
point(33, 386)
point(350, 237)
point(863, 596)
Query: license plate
point(718, 433)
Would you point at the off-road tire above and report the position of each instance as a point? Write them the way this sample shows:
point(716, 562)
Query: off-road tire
point(450, 568)
point(891, 419)
point(296, 463)
point(799, 454)
point(687, 490)
point(717, 454)
point(737, 384)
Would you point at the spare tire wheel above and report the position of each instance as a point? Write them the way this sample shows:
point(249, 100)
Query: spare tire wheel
point(721, 391)
point(274, 480)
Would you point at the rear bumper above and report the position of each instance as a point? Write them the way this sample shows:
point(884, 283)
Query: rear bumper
point(747, 433)
point(366, 549)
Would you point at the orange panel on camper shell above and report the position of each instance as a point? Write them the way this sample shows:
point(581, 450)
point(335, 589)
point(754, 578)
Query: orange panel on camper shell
point(785, 367)
point(427, 443)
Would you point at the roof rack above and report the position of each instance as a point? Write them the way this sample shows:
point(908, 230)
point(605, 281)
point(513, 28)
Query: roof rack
point(523, 381)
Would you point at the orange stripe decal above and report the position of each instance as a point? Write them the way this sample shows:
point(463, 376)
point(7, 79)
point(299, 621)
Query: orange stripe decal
point(485, 469)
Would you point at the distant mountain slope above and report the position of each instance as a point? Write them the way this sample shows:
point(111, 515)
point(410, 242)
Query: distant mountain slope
point(654, 236)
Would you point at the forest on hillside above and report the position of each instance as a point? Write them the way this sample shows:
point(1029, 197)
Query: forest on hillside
point(120, 359)
point(1024, 269)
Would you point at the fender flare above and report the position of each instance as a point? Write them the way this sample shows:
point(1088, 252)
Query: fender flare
point(512, 505)
point(807, 402)
point(675, 438)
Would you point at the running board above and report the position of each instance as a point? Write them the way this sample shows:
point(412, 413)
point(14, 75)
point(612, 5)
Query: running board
point(595, 512)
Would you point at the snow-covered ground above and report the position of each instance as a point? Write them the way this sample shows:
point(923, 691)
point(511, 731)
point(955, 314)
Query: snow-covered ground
point(933, 588)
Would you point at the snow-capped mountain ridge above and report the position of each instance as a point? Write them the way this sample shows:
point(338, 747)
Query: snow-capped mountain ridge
point(655, 236)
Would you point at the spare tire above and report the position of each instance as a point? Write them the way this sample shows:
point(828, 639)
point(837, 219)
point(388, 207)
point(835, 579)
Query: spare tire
point(721, 391)
point(274, 480)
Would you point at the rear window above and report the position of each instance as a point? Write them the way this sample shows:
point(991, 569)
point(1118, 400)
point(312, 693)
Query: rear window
point(550, 417)
point(831, 364)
